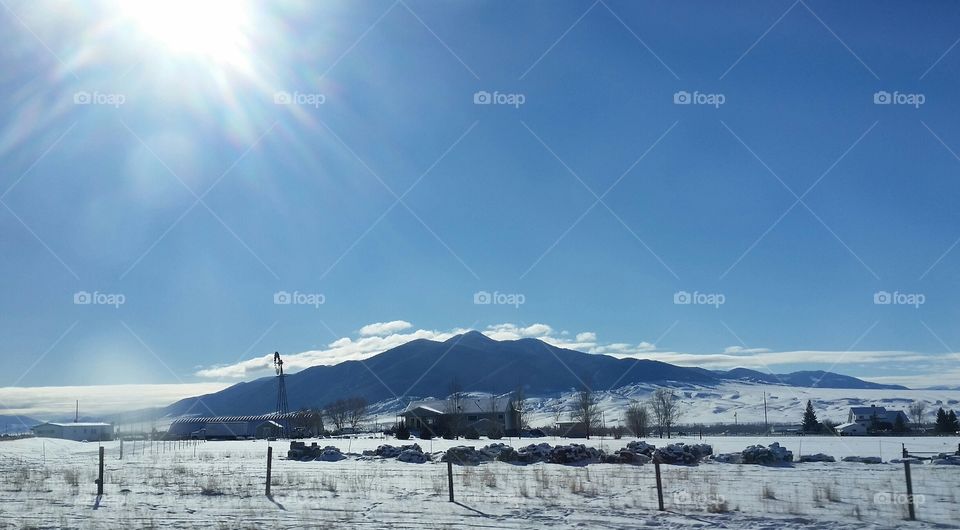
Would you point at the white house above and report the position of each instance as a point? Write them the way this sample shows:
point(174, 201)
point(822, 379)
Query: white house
point(483, 414)
point(865, 416)
point(90, 432)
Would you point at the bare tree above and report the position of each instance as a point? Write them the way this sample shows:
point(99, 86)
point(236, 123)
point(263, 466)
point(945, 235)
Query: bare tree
point(356, 411)
point(518, 407)
point(638, 419)
point(454, 407)
point(558, 412)
point(338, 412)
point(666, 410)
point(917, 411)
point(586, 411)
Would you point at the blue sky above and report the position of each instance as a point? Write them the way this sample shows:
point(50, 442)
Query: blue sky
point(173, 172)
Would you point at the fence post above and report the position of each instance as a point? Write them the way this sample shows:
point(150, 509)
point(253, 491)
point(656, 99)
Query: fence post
point(905, 453)
point(269, 467)
point(906, 469)
point(450, 478)
point(100, 479)
point(656, 467)
point(121, 448)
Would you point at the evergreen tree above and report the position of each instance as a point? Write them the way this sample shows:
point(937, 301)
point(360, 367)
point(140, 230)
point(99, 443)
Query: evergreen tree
point(899, 425)
point(810, 422)
point(403, 433)
point(952, 424)
point(941, 426)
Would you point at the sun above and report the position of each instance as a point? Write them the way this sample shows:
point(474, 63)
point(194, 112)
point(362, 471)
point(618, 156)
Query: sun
point(213, 29)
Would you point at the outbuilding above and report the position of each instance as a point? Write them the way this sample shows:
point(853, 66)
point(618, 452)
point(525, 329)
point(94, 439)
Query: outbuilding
point(80, 432)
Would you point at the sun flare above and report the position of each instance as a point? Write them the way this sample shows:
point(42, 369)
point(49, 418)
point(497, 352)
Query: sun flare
point(213, 29)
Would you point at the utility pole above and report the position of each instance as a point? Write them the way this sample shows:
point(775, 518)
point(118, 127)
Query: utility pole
point(766, 428)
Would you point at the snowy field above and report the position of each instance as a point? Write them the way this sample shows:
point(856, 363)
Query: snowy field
point(48, 483)
point(726, 403)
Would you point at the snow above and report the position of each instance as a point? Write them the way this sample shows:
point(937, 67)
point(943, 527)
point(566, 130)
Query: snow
point(717, 404)
point(50, 483)
point(784, 404)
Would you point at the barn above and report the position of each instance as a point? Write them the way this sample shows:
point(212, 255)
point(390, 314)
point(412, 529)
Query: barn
point(298, 424)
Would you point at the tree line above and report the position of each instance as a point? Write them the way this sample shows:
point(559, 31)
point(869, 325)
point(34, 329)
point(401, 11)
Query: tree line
point(343, 414)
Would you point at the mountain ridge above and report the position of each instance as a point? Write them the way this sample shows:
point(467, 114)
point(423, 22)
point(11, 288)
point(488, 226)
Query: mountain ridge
point(479, 363)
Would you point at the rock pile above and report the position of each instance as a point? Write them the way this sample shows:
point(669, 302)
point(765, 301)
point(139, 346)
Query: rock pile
point(465, 456)
point(681, 453)
point(391, 451)
point(819, 457)
point(413, 456)
point(301, 451)
point(863, 459)
point(771, 455)
point(574, 454)
point(634, 453)
point(944, 459)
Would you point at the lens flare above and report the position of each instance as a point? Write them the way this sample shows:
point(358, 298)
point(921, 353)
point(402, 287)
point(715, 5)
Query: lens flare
point(213, 29)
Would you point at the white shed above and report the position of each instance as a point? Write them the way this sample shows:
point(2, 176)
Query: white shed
point(91, 432)
point(851, 429)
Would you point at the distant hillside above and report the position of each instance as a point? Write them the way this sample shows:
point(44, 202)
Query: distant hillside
point(427, 368)
point(16, 424)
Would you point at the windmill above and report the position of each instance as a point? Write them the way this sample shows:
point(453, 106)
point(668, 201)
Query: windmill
point(282, 406)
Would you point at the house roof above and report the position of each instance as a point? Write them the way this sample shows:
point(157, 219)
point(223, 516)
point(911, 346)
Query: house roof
point(868, 410)
point(469, 405)
point(423, 409)
point(843, 426)
point(229, 419)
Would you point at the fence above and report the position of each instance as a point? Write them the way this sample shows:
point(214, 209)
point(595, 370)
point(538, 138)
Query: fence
point(172, 480)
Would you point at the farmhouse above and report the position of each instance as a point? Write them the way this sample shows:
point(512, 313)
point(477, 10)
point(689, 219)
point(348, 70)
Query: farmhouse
point(90, 432)
point(866, 416)
point(486, 415)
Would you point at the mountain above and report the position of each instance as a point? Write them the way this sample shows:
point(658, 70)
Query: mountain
point(427, 368)
point(16, 424)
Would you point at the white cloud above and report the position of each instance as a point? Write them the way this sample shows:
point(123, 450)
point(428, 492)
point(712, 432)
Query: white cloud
point(587, 336)
point(57, 402)
point(384, 328)
point(741, 349)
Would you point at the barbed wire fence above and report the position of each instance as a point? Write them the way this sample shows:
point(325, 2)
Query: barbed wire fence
point(872, 493)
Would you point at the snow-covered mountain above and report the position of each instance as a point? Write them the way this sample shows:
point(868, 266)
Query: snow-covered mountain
point(480, 364)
